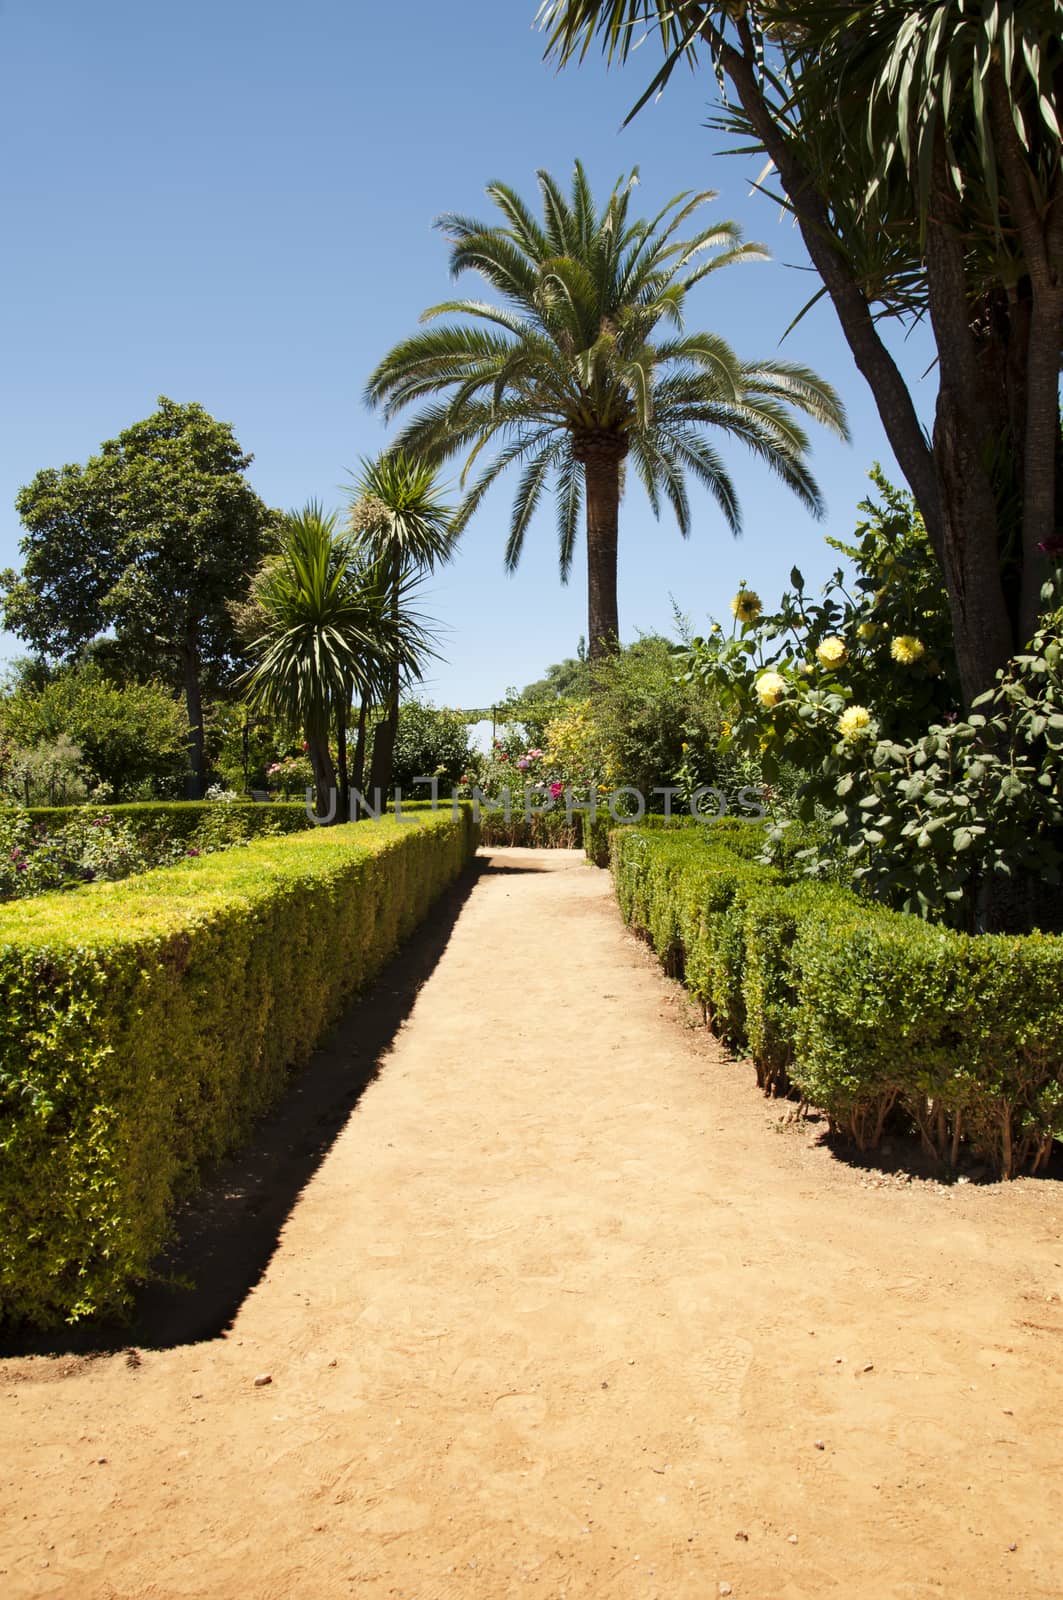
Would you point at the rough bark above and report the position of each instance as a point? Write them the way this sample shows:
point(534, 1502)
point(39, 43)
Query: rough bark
point(1040, 230)
point(357, 777)
point(323, 769)
point(343, 780)
point(963, 451)
point(384, 739)
point(196, 782)
point(601, 452)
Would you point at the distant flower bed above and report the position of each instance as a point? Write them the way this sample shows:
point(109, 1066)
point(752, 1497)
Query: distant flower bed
point(88, 846)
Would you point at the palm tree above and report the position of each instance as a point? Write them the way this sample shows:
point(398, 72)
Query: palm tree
point(401, 524)
point(567, 381)
point(327, 626)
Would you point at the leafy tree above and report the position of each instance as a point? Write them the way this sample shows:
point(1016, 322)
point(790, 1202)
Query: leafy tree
point(560, 681)
point(129, 739)
point(430, 743)
point(400, 523)
point(150, 539)
point(918, 145)
point(570, 376)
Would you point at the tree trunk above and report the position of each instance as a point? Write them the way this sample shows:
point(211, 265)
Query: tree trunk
point(601, 451)
point(956, 465)
point(384, 739)
point(344, 786)
point(196, 782)
point(892, 398)
point(963, 451)
point(323, 769)
point(1038, 221)
point(357, 778)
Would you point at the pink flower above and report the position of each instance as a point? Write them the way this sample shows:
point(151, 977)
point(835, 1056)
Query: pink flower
point(305, 745)
point(556, 789)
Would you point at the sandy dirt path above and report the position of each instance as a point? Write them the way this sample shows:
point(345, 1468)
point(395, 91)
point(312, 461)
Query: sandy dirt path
point(564, 1312)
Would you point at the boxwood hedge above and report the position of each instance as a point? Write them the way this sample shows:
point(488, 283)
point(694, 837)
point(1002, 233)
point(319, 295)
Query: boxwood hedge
point(876, 1016)
point(145, 1024)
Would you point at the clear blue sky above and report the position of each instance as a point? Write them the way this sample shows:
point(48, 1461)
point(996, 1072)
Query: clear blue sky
point(232, 202)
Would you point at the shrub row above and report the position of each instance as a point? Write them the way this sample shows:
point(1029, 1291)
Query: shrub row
point(877, 1017)
point(145, 1024)
point(549, 831)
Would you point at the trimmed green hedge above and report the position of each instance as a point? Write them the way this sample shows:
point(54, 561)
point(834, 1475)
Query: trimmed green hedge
point(146, 1023)
point(878, 1017)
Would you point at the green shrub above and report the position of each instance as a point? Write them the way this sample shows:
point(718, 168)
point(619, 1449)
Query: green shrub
point(549, 830)
point(771, 921)
point(873, 1015)
point(145, 1024)
point(156, 821)
point(962, 1036)
point(430, 743)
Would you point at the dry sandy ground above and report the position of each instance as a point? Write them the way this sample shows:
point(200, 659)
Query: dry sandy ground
point(565, 1312)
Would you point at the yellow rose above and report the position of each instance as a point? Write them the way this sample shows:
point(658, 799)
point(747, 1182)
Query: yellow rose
point(868, 631)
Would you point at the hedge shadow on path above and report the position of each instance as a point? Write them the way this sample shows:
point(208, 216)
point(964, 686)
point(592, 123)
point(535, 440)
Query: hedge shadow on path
point(227, 1231)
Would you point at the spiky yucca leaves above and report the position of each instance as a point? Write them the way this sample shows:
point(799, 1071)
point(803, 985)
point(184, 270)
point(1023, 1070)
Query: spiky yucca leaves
point(400, 522)
point(330, 627)
point(571, 374)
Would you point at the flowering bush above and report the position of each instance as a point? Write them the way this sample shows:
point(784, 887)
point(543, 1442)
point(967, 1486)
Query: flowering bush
point(291, 775)
point(34, 858)
point(935, 813)
point(92, 846)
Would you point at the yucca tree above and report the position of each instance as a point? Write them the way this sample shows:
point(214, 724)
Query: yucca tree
point(585, 364)
point(919, 146)
point(402, 525)
point(328, 628)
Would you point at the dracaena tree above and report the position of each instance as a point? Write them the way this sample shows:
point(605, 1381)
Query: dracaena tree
point(326, 627)
point(403, 527)
point(918, 145)
point(582, 364)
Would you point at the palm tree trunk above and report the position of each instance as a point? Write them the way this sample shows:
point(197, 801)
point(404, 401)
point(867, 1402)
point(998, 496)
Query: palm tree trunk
point(601, 453)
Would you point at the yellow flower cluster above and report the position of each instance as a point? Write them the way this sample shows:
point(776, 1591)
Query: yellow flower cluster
point(907, 650)
point(831, 651)
point(770, 687)
point(854, 722)
point(746, 606)
point(868, 632)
